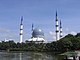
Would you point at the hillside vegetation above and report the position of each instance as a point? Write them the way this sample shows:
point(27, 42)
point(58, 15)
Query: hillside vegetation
point(67, 43)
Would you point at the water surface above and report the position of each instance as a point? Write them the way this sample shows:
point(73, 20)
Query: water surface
point(28, 56)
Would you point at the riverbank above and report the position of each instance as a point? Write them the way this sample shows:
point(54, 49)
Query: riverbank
point(71, 55)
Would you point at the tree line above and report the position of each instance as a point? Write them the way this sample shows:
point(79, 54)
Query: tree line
point(68, 43)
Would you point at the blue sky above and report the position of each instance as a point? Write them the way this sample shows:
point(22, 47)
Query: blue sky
point(41, 13)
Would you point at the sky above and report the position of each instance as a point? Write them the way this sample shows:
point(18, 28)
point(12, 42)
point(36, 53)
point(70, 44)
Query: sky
point(42, 14)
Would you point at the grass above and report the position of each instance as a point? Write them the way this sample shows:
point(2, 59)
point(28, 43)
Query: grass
point(72, 53)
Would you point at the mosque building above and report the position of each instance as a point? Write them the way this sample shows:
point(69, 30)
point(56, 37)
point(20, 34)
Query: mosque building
point(37, 35)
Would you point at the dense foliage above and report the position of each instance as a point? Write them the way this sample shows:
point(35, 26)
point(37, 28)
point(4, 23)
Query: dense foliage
point(67, 43)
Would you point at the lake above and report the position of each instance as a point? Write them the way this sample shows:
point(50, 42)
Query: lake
point(29, 56)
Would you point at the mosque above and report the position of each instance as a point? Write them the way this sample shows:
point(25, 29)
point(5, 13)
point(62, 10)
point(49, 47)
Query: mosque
point(38, 34)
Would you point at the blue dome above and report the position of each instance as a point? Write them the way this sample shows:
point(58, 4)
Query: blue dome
point(38, 33)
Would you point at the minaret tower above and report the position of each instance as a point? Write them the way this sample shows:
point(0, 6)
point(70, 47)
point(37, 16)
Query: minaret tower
point(32, 27)
point(21, 30)
point(60, 29)
point(57, 27)
point(32, 30)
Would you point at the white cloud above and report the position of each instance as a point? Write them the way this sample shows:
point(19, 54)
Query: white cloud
point(4, 30)
point(68, 31)
point(73, 33)
point(8, 34)
point(65, 33)
point(53, 35)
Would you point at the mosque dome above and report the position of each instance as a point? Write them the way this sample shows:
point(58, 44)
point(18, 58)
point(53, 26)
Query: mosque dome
point(37, 33)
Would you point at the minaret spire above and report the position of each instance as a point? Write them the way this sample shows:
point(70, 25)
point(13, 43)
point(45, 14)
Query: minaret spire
point(21, 30)
point(57, 27)
point(60, 29)
point(32, 26)
point(32, 29)
point(56, 14)
point(21, 19)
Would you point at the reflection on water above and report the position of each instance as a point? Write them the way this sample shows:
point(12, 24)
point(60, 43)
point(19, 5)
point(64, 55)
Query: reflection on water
point(20, 56)
point(28, 56)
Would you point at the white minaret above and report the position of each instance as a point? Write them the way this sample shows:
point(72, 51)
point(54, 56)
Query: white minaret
point(60, 29)
point(57, 27)
point(21, 30)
